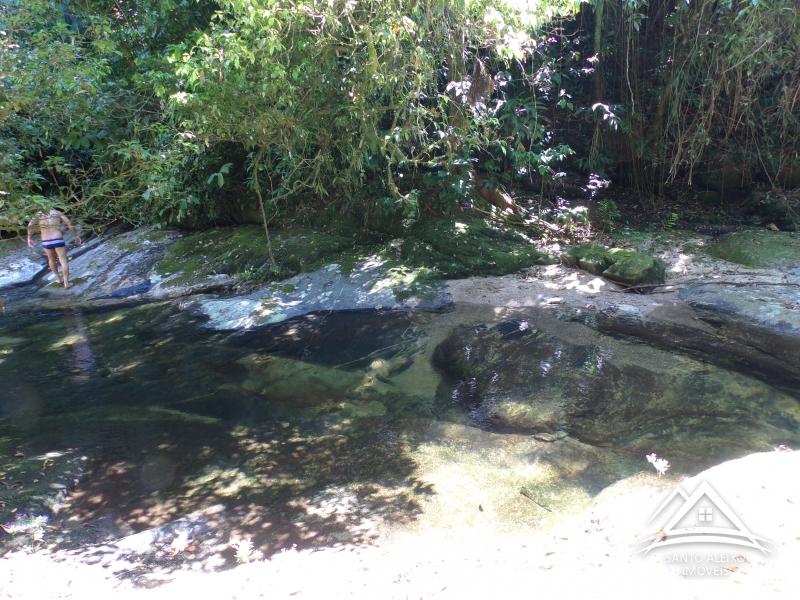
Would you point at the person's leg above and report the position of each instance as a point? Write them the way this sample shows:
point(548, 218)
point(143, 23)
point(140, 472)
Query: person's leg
point(62, 258)
point(52, 262)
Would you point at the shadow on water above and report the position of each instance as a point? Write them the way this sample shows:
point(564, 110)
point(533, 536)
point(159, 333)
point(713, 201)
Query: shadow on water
point(156, 413)
point(156, 443)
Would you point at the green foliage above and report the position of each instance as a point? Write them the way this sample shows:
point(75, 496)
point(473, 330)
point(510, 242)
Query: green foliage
point(338, 97)
point(178, 112)
point(695, 87)
point(609, 213)
point(136, 111)
point(77, 124)
point(671, 221)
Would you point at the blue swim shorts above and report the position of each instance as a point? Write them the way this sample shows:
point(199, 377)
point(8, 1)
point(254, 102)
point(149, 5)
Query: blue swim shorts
point(50, 244)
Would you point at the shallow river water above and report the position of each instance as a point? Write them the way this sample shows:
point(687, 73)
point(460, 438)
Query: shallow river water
point(331, 428)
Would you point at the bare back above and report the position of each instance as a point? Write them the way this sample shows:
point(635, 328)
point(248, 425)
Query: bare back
point(50, 225)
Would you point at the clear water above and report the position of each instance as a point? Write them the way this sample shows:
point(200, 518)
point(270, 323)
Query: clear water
point(322, 430)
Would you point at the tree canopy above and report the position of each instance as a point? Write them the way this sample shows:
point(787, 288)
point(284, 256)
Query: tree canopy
point(192, 112)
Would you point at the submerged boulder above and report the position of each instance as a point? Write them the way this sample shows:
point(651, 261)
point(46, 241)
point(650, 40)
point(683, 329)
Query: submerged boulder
point(300, 388)
point(280, 379)
point(604, 390)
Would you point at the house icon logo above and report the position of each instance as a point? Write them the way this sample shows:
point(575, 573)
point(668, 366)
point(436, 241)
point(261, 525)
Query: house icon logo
point(700, 517)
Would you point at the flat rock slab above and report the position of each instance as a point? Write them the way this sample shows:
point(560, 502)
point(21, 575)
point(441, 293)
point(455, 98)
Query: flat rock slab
point(773, 307)
point(106, 270)
point(20, 264)
point(369, 285)
point(120, 266)
point(764, 317)
point(19, 270)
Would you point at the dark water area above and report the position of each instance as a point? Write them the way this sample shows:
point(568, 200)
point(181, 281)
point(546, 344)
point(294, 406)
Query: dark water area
point(124, 420)
point(311, 431)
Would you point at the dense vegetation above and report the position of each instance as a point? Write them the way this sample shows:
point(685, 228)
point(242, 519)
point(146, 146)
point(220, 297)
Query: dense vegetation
point(194, 112)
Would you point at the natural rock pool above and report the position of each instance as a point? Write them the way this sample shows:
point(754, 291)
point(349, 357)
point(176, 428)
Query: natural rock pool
point(340, 427)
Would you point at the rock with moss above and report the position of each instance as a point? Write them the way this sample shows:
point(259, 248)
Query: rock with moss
point(227, 255)
point(468, 247)
point(636, 269)
point(621, 265)
point(759, 248)
point(279, 379)
point(325, 390)
point(594, 258)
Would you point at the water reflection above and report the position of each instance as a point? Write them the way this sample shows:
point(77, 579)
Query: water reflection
point(82, 360)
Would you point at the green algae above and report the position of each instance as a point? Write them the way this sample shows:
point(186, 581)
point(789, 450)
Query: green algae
point(472, 247)
point(758, 248)
point(433, 251)
point(243, 251)
point(623, 265)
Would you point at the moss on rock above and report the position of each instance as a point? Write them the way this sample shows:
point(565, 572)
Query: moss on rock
point(621, 265)
point(432, 251)
point(589, 257)
point(243, 251)
point(470, 247)
point(636, 269)
point(758, 248)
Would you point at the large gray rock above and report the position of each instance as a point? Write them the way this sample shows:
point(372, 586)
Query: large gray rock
point(704, 333)
point(19, 263)
point(763, 317)
point(106, 270)
point(118, 267)
point(125, 268)
point(369, 285)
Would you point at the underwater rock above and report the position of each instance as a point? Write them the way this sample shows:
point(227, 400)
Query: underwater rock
point(603, 390)
point(279, 379)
